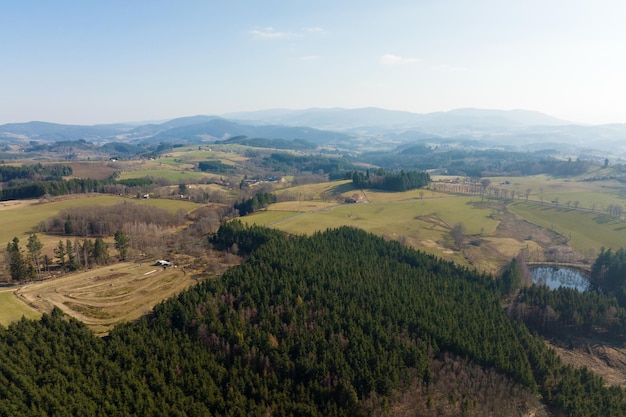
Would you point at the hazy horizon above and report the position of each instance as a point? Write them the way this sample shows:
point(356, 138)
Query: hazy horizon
point(115, 62)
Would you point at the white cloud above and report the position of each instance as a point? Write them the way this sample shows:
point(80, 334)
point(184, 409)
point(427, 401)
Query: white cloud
point(267, 33)
point(390, 59)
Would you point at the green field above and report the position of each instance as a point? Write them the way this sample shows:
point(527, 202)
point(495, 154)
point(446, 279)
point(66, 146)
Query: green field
point(423, 223)
point(267, 218)
point(587, 230)
point(168, 174)
point(588, 194)
point(11, 308)
point(398, 217)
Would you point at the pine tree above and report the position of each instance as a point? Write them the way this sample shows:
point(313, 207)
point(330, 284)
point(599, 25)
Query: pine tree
point(122, 242)
point(100, 252)
point(19, 266)
point(59, 252)
point(72, 263)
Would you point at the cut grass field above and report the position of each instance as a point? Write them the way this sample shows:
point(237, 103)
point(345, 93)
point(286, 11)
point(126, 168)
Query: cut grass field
point(106, 296)
point(12, 308)
point(267, 218)
point(168, 174)
point(396, 217)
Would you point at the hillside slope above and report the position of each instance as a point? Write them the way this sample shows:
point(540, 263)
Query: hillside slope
point(337, 324)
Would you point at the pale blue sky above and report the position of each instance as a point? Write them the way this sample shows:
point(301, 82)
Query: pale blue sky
point(87, 62)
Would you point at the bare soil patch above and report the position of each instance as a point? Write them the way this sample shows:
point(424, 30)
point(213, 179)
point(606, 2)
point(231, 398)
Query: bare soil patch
point(95, 170)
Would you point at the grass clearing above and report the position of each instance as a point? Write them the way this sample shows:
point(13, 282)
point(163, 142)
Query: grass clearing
point(267, 218)
point(317, 191)
point(12, 308)
point(301, 206)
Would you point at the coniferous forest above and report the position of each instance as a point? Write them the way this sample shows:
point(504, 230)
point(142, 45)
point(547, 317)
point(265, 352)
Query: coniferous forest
point(325, 325)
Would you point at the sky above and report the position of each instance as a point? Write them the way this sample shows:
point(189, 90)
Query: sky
point(92, 62)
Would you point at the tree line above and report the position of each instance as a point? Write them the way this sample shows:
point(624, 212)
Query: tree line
point(106, 220)
point(35, 172)
point(37, 189)
point(258, 201)
point(27, 264)
point(389, 181)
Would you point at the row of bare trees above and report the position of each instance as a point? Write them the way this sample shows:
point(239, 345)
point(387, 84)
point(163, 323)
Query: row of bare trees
point(106, 220)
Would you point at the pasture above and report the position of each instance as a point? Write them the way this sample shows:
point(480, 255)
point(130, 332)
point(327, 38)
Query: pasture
point(424, 223)
point(268, 217)
point(165, 173)
point(587, 231)
point(584, 194)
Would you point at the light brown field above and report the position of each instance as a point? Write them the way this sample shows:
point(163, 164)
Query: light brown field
point(96, 170)
point(104, 297)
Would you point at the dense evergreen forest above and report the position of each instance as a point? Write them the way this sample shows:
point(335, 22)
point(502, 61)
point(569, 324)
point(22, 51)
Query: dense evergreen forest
point(258, 201)
point(289, 163)
point(477, 163)
point(36, 172)
point(389, 181)
point(328, 325)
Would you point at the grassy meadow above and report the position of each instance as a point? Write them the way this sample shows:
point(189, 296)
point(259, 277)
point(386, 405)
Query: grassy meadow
point(587, 231)
point(12, 308)
point(423, 223)
point(423, 218)
point(165, 173)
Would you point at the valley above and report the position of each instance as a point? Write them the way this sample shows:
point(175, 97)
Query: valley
point(184, 203)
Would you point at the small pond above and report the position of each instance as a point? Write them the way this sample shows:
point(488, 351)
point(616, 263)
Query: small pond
point(559, 277)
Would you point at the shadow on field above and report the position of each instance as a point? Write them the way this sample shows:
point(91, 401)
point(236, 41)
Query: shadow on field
point(602, 219)
point(340, 189)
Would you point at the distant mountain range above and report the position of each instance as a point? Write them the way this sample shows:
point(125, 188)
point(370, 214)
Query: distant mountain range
point(345, 127)
point(349, 119)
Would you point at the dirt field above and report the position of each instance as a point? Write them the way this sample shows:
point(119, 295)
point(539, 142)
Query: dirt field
point(106, 296)
point(96, 170)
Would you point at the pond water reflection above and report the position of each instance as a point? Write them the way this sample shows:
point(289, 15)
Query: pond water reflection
point(559, 277)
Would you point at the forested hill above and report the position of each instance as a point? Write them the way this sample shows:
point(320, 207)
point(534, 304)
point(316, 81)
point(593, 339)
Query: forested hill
point(328, 325)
